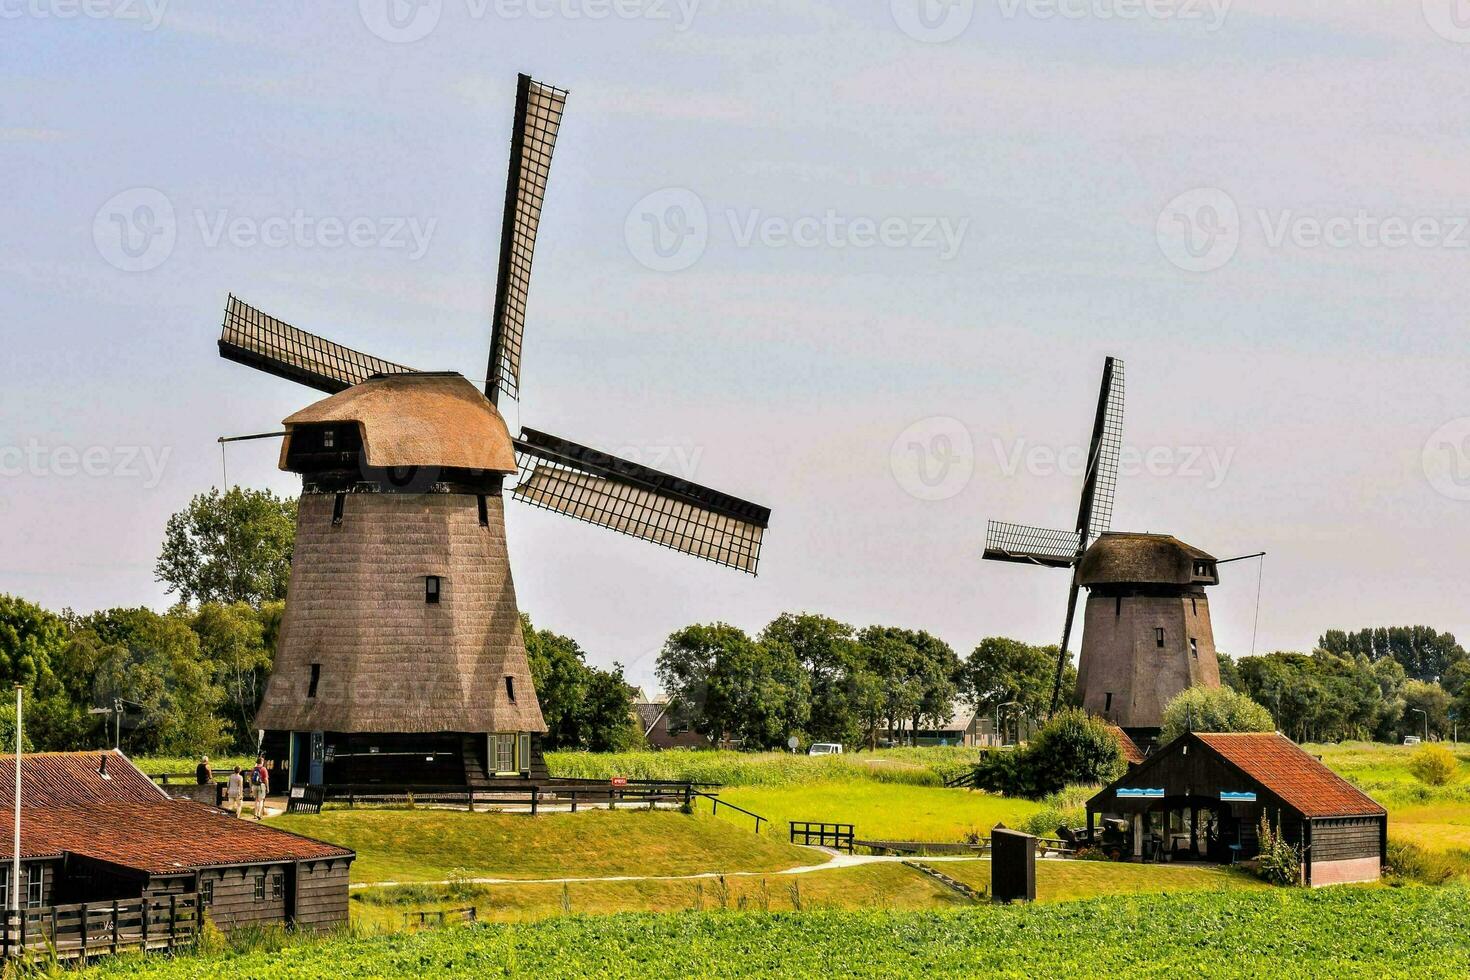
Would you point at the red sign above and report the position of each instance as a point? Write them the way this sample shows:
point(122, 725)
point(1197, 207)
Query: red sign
point(620, 781)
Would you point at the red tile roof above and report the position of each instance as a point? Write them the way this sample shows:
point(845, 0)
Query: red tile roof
point(125, 820)
point(1303, 783)
point(67, 779)
point(1132, 754)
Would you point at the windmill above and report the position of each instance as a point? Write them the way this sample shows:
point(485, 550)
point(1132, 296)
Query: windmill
point(1148, 634)
point(400, 657)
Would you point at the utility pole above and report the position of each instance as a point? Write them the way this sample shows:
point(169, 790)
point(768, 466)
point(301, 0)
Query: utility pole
point(15, 861)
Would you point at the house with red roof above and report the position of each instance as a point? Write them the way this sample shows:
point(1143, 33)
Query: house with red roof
point(95, 830)
point(1202, 797)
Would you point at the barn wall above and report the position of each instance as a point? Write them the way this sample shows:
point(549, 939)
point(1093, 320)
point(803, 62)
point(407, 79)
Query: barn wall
point(1343, 838)
point(235, 903)
point(321, 894)
point(1343, 872)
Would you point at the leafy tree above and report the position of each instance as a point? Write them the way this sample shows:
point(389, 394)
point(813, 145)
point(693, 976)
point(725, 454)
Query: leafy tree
point(233, 641)
point(828, 651)
point(32, 642)
point(1425, 653)
point(1204, 709)
point(1071, 748)
point(231, 547)
point(1433, 701)
point(731, 685)
point(1002, 670)
point(584, 707)
point(919, 672)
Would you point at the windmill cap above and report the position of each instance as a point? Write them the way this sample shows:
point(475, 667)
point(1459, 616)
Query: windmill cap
point(1143, 559)
point(417, 419)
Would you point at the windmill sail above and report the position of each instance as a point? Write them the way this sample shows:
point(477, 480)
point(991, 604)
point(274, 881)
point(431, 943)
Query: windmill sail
point(614, 493)
point(533, 138)
point(1032, 545)
point(1095, 516)
point(261, 341)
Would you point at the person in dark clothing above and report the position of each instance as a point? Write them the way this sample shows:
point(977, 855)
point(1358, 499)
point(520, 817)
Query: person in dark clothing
point(203, 774)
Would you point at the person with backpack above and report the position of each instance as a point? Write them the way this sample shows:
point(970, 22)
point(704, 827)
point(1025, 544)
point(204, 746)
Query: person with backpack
point(260, 785)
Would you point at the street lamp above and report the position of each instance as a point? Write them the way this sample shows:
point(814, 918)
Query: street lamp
point(1426, 721)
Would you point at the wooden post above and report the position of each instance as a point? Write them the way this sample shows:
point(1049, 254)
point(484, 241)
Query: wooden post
point(114, 927)
point(173, 918)
point(145, 910)
point(535, 796)
point(6, 942)
point(198, 917)
point(84, 932)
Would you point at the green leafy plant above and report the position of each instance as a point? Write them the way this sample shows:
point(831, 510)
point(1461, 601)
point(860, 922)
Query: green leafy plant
point(1277, 861)
point(1434, 765)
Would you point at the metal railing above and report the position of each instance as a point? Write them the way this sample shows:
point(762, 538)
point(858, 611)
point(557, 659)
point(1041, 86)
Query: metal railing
point(715, 810)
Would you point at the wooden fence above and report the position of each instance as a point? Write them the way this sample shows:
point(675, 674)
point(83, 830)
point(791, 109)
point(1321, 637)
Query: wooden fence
point(97, 928)
point(533, 796)
point(811, 833)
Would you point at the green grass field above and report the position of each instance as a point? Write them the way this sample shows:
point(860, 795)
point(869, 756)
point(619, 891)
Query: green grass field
point(1339, 933)
point(920, 767)
point(1063, 881)
point(887, 811)
point(435, 845)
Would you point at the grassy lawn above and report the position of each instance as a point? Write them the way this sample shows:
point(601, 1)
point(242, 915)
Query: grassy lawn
point(922, 767)
point(890, 886)
point(434, 845)
point(891, 811)
point(1338, 932)
point(1061, 881)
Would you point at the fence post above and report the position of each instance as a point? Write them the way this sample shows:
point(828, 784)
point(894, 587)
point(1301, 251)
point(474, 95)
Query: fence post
point(6, 943)
point(84, 933)
point(535, 797)
point(145, 909)
point(173, 919)
point(114, 928)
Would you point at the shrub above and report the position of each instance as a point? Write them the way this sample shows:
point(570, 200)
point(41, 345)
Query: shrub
point(1278, 862)
point(1072, 747)
point(1218, 709)
point(1410, 862)
point(1434, 765)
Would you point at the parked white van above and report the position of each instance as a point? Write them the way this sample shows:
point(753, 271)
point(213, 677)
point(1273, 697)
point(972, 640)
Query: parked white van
point(824, 748)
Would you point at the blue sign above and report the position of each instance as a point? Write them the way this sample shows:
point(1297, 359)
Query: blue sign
point(1227, 796)
point(1130, 793)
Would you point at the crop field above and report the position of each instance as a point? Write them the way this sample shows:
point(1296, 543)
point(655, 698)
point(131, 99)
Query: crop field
point(436, 845)
point(1340, 932)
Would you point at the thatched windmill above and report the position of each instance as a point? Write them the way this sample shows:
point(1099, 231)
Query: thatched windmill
point(400, 657)
point(1148, 634)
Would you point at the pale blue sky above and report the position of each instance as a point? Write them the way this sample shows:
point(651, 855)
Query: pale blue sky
point(784, 372)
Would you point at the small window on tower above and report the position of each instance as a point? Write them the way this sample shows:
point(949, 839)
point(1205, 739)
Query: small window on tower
point(1194, 605)
point(329, 438)
point(1194, 648)
point(1117, 605)
point(431, 590)
point(510, 689)
point(316, 678)
point(1108, 705)
point(1159, 635)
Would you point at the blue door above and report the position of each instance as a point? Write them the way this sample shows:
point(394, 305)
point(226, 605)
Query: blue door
point(318, 756)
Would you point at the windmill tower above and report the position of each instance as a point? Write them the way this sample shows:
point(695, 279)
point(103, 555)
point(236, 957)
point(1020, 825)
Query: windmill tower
point(1147, 633)
point(400, 658)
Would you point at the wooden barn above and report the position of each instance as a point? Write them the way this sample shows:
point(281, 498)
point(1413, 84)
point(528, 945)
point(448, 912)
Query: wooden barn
point(105, 851)
point(1202, 796)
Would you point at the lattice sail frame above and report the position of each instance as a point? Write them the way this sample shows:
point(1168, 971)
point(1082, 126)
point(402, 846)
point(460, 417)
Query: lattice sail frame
point(624, 496)
point(533, 139)
point(261, 341)
point(1035, 545)
point(1104, 481)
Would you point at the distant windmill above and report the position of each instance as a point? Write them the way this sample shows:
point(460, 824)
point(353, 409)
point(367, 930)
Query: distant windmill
point(401, 657)
point(1148, 634)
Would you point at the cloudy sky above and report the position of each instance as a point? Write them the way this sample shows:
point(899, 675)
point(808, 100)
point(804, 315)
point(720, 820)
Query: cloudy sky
point(860, 262)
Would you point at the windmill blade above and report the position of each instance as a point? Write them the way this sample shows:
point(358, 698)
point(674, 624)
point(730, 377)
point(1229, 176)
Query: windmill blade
point(1095, 515)
point(592, 486)
point(533, 138)
point(261, 341)
point(1031, 545)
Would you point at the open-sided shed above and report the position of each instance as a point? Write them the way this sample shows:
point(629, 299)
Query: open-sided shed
point(1202, 796)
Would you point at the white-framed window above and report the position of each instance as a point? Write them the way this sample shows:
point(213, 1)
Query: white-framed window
point(35, 877)
point(525, 752)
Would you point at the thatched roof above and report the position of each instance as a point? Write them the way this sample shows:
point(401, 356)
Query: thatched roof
point(1126, 558)
point(389, 661)
point(417, 420)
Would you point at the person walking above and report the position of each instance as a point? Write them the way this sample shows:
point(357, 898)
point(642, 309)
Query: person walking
point(203, 774)
point(235, 790)
point(260, 780)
